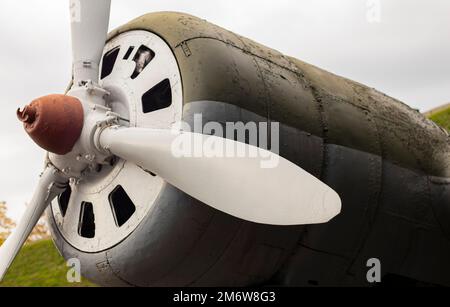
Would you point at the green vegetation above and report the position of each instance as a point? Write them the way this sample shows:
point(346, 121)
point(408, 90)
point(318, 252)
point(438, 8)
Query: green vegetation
point(40, 265)
point(442, 118)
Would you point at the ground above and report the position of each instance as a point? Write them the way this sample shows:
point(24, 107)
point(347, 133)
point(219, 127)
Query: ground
point(40, 265)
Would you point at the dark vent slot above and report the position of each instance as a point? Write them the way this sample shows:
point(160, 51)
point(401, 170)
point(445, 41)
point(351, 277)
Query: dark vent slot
point(86, 227)
point(129, 51)
point(143, 56)
point(157, 98)
point(63, 200)
point(122, 206)
point(108, 62)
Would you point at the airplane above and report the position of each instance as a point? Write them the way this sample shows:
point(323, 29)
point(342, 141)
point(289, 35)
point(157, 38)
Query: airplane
point(359, 177)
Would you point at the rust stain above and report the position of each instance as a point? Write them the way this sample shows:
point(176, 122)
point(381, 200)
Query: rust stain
point(54, 122)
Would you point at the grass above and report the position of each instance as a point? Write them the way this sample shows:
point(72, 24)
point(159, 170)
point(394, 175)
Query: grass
point(40, 265)
point(442, 118)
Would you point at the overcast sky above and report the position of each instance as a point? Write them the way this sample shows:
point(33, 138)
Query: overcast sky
point(405, 54)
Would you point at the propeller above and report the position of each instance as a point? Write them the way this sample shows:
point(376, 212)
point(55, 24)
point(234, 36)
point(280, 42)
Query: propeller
point(50, 185)
point(237, 185)
point(81, 125)
point(89, 23)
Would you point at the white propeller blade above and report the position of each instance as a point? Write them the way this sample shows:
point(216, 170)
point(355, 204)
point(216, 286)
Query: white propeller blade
point(50, 185)
point(89, 21)
point(283, 195)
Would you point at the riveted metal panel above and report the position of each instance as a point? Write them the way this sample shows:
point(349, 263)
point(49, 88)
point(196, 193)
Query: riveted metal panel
point(220, 72)
point(176, 28)
point(290, 101)
point(350, 126)
point(406, 235)
point(410, 139)
point(302, 148)
point(406, 136)
point(440, 200)
point(313, 268)
point(354, 175)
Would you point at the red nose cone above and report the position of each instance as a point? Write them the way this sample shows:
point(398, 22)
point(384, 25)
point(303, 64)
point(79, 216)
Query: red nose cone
point(54, 122)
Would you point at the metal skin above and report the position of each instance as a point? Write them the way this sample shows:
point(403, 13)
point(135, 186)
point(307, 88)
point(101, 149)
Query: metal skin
point(389, 164)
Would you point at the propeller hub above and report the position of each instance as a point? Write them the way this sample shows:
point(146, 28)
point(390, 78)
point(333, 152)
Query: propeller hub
point(54, 122)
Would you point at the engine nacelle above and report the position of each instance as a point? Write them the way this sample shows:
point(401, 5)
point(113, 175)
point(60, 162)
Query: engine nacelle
point(128, 227)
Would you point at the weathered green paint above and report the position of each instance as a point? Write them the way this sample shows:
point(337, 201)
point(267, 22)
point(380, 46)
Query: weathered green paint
point(219, 65)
